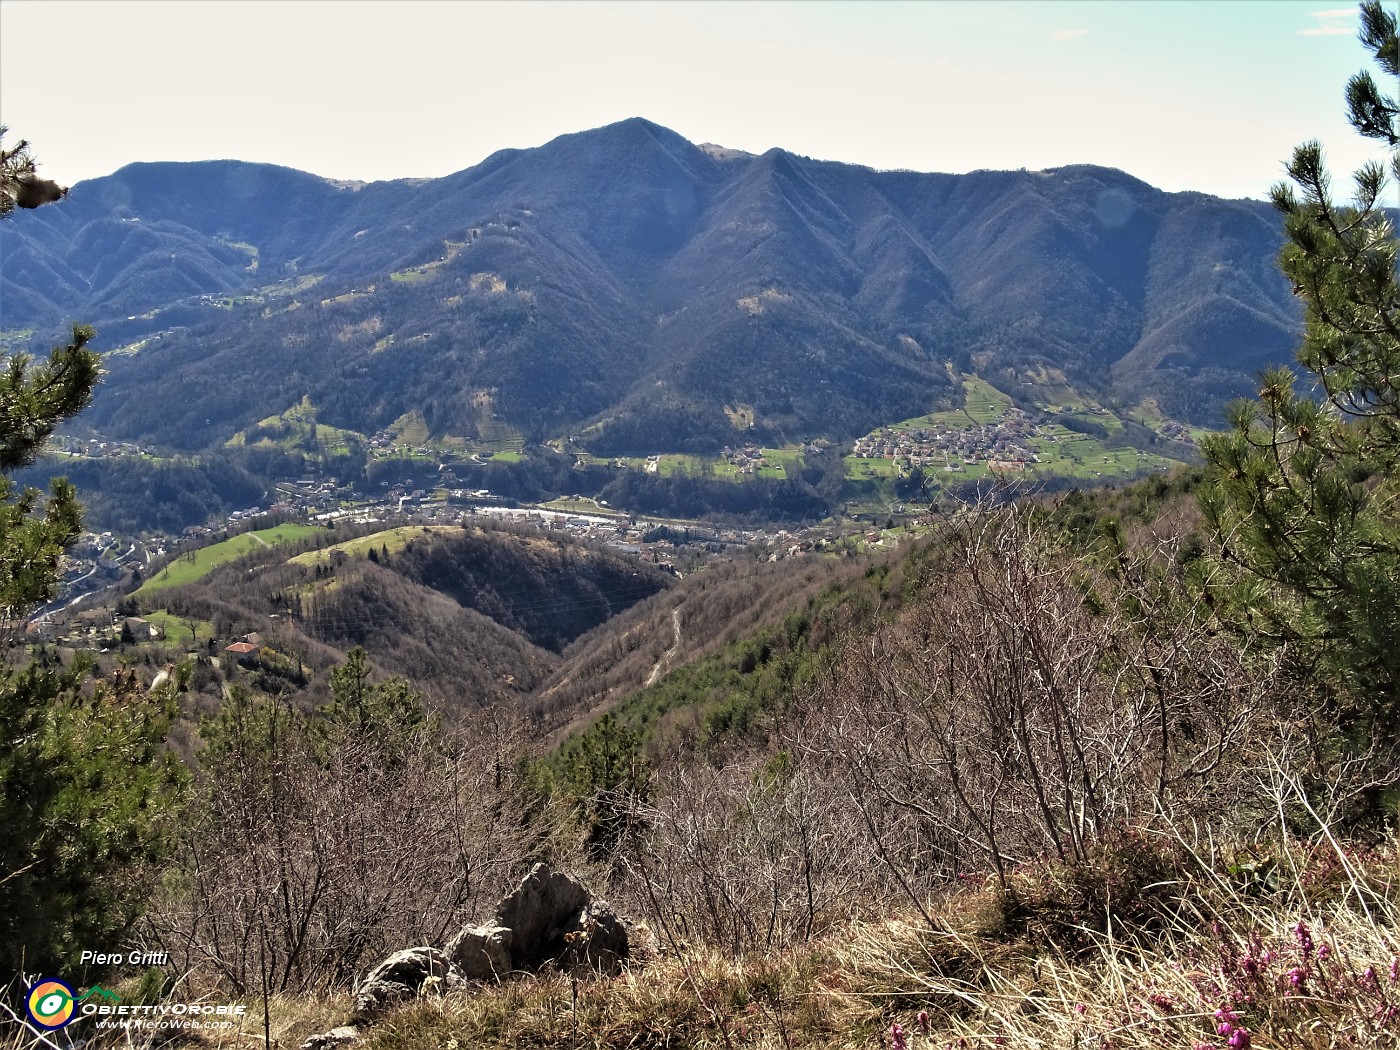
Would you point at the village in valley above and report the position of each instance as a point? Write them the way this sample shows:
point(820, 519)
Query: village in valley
point(1004, 445)
point(993, 436)
point(989, 437)
point(98, 561)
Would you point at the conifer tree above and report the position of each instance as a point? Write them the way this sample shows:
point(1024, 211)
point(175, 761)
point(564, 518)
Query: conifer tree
point(84, 775)
point(20, 184)
point(1303, 489)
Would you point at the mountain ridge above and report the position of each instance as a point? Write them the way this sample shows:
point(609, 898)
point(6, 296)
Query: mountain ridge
point(624, 286)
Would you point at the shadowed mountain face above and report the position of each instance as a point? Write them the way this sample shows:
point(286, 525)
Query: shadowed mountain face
point(627, 287)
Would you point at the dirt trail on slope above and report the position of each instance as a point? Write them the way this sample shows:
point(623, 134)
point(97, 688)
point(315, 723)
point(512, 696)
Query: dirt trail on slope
point(675, 646)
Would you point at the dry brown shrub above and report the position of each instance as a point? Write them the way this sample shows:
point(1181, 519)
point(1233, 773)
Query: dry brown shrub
point(303, 861)
point(1030, 704)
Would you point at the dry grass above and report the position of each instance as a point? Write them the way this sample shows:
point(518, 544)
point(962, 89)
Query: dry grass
point(1297, 950)
point(1311, 963)
point(1307, 961)
point(1314, 964)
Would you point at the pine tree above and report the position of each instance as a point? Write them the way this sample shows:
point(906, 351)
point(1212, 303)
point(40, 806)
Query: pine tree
point(20, 184)
point(85, 780)
point(34, 399)
point(384, 717)
point(1303, 490)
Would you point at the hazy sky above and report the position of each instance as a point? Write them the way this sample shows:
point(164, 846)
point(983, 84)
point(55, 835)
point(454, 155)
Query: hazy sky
point(1187, 95)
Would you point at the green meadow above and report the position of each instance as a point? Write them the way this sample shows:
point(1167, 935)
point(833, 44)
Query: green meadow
point(188, 568)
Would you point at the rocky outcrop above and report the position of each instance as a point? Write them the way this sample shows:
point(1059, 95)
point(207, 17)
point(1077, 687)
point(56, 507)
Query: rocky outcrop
point(601, 941)
point(550, 919)
point(545, 908)
point(403, 976)
point(336, 1037)
point(482, 953)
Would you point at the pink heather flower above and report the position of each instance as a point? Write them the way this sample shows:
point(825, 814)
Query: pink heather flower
point(1298, 978)
point(1239, 1039)
point(897, 1037)
point(922, 1021)
point(1080, 1008)
point(1323, 953)
point(1305, 941)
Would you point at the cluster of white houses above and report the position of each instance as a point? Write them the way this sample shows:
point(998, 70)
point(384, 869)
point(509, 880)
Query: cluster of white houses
point(1004, 444)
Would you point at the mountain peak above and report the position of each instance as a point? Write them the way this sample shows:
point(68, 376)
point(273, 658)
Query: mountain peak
point(625, 283)
point(632, 130)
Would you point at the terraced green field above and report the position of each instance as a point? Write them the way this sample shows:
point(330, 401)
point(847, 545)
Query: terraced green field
point(985, 404)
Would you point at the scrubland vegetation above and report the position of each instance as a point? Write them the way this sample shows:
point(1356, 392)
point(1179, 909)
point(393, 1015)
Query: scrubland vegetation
point(1024, 788)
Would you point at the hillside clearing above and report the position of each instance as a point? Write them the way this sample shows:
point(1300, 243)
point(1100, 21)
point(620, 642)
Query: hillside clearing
point(188, 568)
point(390, 539)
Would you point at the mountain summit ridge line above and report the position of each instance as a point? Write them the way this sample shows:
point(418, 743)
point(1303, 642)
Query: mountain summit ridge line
point(625, 286)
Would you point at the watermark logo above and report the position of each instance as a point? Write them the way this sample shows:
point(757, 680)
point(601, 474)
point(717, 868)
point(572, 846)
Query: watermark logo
point(51, 1004)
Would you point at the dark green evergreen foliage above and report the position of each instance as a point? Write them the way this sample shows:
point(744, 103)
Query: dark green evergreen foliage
point(86, 785)
point(1371, 112)
point(735, 694)
point(1303, 492)
point(358, 701)
point(84, 779)
point(604, 774)
point(245, 736)
point(87, 790)
point(382, 716)
point(699, 615)
point(33, 400)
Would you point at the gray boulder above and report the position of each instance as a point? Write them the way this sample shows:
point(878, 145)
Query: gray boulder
point(554, 919)
point(342, 1036)
point(598, 942)
point(481, 953)
point(550, 919)
point(539, 912)
point(403, 976)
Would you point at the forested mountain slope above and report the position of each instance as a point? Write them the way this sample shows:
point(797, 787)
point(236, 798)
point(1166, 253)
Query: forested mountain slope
point(627, 287)
point(474, 616)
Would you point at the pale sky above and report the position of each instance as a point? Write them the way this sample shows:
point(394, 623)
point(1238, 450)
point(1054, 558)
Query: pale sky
point(1208, 96)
